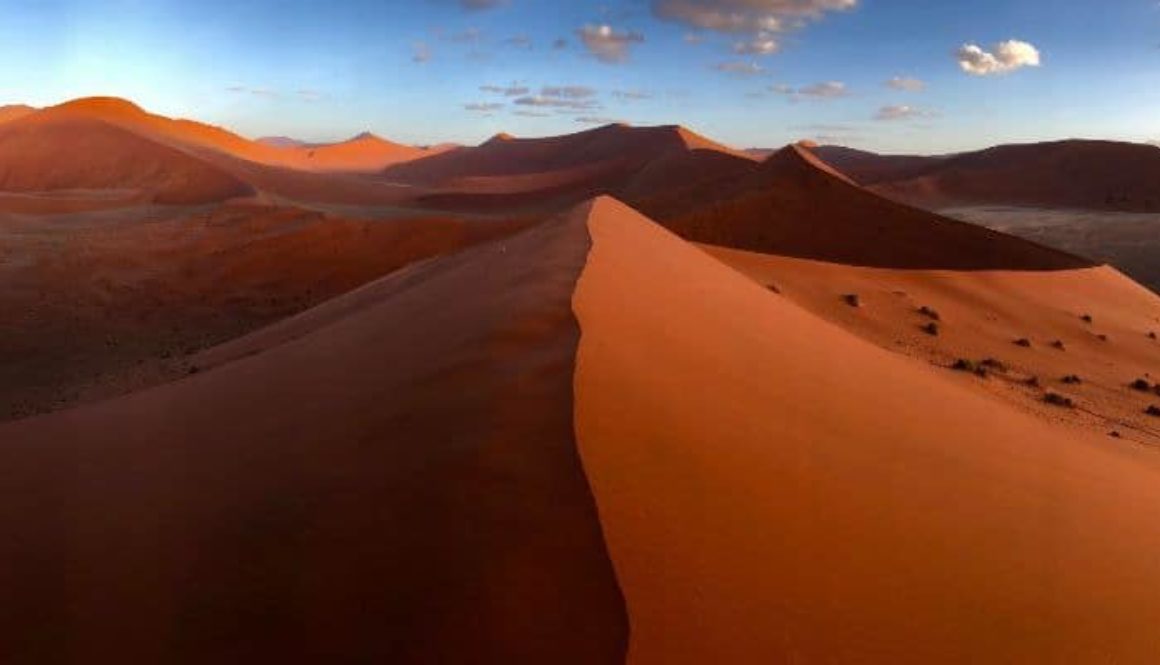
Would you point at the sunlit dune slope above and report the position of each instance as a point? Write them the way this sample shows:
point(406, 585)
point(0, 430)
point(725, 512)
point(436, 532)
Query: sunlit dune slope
point(396, 480)
point(365, 153)
point(795, 205)
point(1009, 322)
point(59, 150)
point(774, 489)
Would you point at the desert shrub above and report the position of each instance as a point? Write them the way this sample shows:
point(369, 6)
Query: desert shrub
point(1140, 384)
point(1058, 344)
point(852, 300)
point(929, 313)
point(1153, 411)
point(1055, 399)
point(1072, 379)
point(1032, 381)
point(993, 363)
point(1024, 342)
point(1086, 318)
point(931, 329)
point(1152, 335)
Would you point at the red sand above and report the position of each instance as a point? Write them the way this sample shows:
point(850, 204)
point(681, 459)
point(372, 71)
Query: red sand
point(793, 205)
point(775, 490)
point(1094, 175)
point(395, 482)
point(54, 150)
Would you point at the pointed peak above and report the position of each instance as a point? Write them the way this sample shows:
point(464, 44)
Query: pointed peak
point(799, 158)
point(502, 137)
point(365, 136)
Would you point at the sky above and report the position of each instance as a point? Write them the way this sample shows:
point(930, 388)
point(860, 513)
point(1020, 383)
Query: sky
point(900, 76)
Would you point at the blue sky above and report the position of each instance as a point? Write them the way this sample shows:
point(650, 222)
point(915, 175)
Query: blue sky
point(746, 72)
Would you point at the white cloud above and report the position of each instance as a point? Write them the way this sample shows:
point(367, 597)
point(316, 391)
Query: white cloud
point(762, 43)
point(906, 83)
point(607, 44)
point(740, 68)
point(902, 112)
point(1002, 58)
point(531, 114)
point(746, 16)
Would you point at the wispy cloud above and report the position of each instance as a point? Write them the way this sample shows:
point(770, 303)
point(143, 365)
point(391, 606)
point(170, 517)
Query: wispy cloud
point(558, 103)
point(762, 43)
point(823, 90)
point(483, 107)
point(421, 52)
point(902, 112)
point(1002, 58)
point(513, 90)
point(568, 91)
point(747, 16)
point(906, 84)
point(631, 95)
point(608, 44)
point(596, 120)
point(739, 67)
point(519, 41)
point(481, 4)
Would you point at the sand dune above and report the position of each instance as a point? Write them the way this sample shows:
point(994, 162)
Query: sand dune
point(14, 112)
point(59, 149)
point(381, 478)
point(773, 489)
point(1090, 175)
point(104, 303)
point(617, 148)
point(395, 482)
point(794, 205)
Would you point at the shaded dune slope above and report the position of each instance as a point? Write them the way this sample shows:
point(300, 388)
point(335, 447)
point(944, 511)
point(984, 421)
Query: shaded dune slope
point(773, 489)
point(1083, 174)
point(59, 150)
point(556, 172)
point(396, 480)
point(795, 205)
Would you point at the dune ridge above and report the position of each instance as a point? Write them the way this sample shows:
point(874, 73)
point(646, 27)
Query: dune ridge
point(766, 499)
point(392, 481)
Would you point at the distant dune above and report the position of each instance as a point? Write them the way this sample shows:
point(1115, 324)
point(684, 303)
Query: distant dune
point(60, 149)
point(1079, 174)
point(794, 205)
point(590, 443)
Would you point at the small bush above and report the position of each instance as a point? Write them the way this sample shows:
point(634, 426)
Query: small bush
point(1024, 342)
point(1153, 411)
point(1140, 384)
point(1032, 381)
point(1087, 318)
point(852, 300)
point(1072, 379)
point(1152, 335)
point(1055, 399)
point(931, 329)
point(929, 313)
point(1058, 344)
point(994, 363)
point(773, 288)
point(1115, 434)
point(1102, 337)
point(965, 365)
